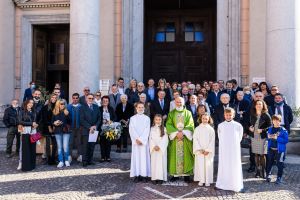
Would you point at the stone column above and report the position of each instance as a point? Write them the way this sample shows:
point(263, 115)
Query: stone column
point(84, 45)
point(228, 39)
point(283, 47)
point(7, 50)
point(133, 39)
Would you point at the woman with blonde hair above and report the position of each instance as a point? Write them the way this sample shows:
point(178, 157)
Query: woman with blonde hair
point(162, 85)
point(60, 122)
point(132, 92)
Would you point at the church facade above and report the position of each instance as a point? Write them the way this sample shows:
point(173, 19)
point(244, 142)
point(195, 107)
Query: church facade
point(80, 42)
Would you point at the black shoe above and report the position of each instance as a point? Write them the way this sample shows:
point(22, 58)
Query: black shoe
point(102, 160)
point(84, 164)
point(91, 163)
point(144, 179)
point(251, 169)
point(154, 182)
point(160, 182)
point(136, 179)
point(173, 179)
point(108, 160)
point(118, 150)
point(257, 175)
point(124, 150)
point(187, 179)
point(278, 181)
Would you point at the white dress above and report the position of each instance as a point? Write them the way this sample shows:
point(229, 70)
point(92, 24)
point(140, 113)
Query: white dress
point(230, 174)
point(158, 158)
point(204, 139)
point(139, 128)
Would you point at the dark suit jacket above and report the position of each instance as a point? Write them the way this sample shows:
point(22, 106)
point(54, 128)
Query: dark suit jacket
point(244, 106)
point(111, 113)
point(82, 100)
point(112, 101)
point(27, 94)
point(231, 93)
point(287, 113)
point(128, 112)
point(218, 115)
point(264, 123)
point(156, 109)
point(195, 115)
point(89, 118)
point(213, 100)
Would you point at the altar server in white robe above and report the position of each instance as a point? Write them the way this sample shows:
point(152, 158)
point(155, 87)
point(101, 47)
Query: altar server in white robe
point(230, 174)
point(158, 150)
point(139, 130)
point(204, 150)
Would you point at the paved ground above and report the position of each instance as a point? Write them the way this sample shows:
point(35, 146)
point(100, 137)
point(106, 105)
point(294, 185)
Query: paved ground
point(111, 181)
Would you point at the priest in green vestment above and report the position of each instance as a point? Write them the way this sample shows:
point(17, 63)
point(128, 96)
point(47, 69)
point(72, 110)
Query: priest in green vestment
point(180, 127)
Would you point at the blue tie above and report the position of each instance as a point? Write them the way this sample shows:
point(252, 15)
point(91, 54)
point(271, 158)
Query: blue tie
point(162, 104)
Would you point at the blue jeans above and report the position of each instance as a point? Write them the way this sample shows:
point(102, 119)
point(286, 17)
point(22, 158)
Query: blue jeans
point(62, 140)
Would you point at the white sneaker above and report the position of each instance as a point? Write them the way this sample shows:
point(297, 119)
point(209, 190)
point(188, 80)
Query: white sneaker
point(67, 163)
point(44, 156)
point(200, 184)
point(70, 159)
point(60, 165)
point(19, 166)
point(207, 185)
point(79, 159)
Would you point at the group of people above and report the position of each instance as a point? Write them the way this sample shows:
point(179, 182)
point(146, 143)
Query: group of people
point(173, 128)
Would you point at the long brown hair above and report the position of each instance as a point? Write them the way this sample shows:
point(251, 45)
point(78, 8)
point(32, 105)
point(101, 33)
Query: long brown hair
point(162, 128)
point(264, 109)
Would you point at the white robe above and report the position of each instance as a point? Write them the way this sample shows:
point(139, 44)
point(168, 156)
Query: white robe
point(158, 158)
point(204, 139)
point(230, 174)
point(139, 128)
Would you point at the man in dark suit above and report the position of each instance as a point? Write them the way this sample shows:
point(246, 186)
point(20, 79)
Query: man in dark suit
point(213, 97)
point(241, 106)
point(229, 90)
point(141, 90)
point(193, 108)
point(151, 90)
point(28, 92)
point(161, 105)
point(218, 115)
point(114, 97)
point(185, 95)
point(124, 111)
point(270, 99)
point(281, 108)
point(90, 120)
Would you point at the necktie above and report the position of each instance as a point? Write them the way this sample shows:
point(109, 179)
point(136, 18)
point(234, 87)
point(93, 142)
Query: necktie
point(115, 98)
point(162, 104)
point(91, 107)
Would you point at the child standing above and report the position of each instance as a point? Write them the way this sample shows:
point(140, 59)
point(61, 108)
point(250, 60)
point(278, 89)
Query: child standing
point(158, 150)
point(230, 174)
point(277, 140)
point(204, 150)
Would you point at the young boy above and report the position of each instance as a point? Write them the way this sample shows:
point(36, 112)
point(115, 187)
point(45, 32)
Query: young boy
point(277, 140)
point(230, 174)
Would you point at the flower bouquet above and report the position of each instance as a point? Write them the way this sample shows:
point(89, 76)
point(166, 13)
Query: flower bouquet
point(111, 131)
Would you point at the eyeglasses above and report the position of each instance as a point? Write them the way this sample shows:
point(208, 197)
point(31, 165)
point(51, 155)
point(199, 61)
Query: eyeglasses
point(87, 90)
point(91, 98)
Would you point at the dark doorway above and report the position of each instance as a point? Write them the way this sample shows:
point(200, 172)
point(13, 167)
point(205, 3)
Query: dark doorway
point(180, 40)
point(51, 56)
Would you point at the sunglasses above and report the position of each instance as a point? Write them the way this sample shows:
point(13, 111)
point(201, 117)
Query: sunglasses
point(62, 104)
point(91, 98)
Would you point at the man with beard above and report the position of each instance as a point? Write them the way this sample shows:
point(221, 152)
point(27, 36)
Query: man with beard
point(180, 127)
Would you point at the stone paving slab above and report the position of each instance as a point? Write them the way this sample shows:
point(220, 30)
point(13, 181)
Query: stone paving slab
point(111, 181)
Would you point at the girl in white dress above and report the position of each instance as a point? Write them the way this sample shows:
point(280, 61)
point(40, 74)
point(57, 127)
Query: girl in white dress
point(204, 150)
point(158, 142)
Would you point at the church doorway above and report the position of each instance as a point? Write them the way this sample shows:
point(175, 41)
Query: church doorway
point(50, 56)
point(180, 40)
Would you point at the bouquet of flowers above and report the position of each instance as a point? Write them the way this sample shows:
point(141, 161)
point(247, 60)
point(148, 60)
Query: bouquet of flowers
point(111, 131)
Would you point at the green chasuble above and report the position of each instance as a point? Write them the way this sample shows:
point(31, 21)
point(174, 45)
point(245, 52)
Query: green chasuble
point(180, 153)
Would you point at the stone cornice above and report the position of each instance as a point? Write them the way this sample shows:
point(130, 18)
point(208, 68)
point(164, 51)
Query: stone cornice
point(41, 3)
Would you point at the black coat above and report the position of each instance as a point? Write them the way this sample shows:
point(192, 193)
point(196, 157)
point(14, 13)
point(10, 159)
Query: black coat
point(46, 117)
point(89, 118)
point(27, 118)
point(213, 100)
point(287, 113)
point(218, 115)
point(244, 106)
point(10, 117)
point(64, 127)
point(128, 112)
point(264, 123)
point(155, 108)
point(133, 96)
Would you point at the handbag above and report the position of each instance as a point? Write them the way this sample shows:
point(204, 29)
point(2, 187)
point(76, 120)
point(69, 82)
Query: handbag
point(246, 143)
point(35, 136)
